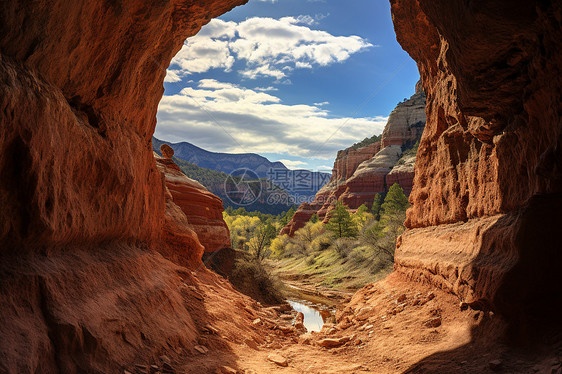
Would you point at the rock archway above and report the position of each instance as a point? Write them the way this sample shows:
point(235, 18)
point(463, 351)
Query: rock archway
point(83, 205)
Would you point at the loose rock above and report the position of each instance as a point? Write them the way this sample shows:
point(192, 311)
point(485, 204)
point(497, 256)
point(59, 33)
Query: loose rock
point(278, 359)
point(228, 370)
point(201, 349)
point(167, 151)
point(333, 342)
point(251, 343)
point(433, 322)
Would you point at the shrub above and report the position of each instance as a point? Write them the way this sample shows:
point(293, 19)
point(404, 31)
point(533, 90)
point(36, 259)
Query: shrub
point(278, 245)
point(251, 278)
point(321, 242)
point(342, 246)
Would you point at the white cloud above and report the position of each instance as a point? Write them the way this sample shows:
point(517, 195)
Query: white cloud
point(268, 47)
point(292, 164)
point(265, 89)
point(263, 70)
point(322, 103)
point(172, 76)
point(230, 118)
point(302, 19)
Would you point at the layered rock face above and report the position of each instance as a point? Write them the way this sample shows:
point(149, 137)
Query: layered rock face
point(202, 208)
point(407, 120)
point(488, 174)
point(359, 174)
point(84, 210)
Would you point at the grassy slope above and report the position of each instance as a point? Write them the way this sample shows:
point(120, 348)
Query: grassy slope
point(327, 269)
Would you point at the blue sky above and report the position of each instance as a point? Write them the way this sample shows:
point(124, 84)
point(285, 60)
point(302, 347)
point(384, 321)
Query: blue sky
point(292, 80)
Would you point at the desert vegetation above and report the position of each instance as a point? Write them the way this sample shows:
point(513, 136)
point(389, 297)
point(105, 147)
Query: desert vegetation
point(251, 234)
point(348, 250)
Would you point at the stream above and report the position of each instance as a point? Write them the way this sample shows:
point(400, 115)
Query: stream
point(314, 315)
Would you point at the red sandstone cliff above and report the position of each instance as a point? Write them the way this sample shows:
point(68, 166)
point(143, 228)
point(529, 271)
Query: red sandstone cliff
point(202, 208)
point(359, 174)
point(84, 212)
point(486, 200)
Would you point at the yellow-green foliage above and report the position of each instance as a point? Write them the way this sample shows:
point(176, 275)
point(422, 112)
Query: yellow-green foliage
point(242, 229)
point(362, 217)
point(278, 245)
point(339, 260)
point(309, 232)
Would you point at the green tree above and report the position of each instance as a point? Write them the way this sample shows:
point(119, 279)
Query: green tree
point(395, 200)
point(376, 208)
point(340, 222)
point(287, 217)
point(260, 241)
point(362, 209)
point(377, 236)
point(314, 218)
point(362, 217)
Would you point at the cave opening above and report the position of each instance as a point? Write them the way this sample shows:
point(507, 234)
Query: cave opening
point(101, 246)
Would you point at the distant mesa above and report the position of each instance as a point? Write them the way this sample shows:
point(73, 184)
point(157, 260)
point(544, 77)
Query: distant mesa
point(371, 166)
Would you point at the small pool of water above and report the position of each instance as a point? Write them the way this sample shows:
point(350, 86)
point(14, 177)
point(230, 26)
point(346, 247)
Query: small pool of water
point(313, 318)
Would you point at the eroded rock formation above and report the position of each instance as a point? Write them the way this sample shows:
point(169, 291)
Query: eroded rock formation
point(202, 208)
point(84, 212)
point(359, 174)
point(488, 174)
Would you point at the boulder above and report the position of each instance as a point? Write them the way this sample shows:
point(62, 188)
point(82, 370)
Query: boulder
point(333, 342)
point(278, 359)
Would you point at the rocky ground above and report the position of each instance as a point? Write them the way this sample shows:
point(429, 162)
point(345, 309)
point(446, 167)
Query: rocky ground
point(383, 329)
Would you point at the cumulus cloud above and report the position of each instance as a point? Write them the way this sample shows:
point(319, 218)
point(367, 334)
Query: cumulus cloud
point(267, 47)
point(227, 117)
point(172, 76)
point(292, 164)
point(265, 89)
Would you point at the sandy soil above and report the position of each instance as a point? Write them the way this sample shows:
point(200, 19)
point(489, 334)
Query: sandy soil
point(382, 330)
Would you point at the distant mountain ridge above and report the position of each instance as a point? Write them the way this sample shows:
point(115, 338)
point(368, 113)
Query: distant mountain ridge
point(225, 162)
point(270, 201)
point(276, 172)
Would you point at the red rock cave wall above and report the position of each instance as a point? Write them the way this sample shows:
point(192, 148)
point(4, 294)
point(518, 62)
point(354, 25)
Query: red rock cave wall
point(491, 153)
point(84, 212)
point(80, 85)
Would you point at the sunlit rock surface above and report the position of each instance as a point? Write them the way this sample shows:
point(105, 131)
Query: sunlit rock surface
point(488, 174)
point(202, 208)
point(84, 215)
point(359, 174)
